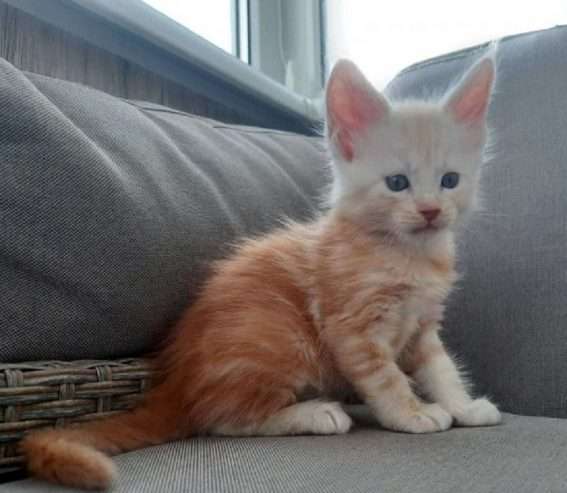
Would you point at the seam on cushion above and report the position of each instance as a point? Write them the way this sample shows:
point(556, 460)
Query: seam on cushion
point(253, 130)
point(214, 123)
point(141, 105)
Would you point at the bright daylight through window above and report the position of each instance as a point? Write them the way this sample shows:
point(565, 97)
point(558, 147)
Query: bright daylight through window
point(381, 37)
point(385, 37)
point(213, 19)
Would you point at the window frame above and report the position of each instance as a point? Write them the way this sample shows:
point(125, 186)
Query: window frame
point(138, 33)
point(143, 20)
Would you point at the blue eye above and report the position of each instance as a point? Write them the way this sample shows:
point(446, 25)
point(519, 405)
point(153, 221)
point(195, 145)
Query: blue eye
point(450, 180)
point(397, 183)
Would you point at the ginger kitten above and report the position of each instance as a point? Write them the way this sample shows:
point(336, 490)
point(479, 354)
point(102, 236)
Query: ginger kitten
point(353, 299)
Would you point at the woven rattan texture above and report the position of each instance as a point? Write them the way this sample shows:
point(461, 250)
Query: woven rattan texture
point(53, 393)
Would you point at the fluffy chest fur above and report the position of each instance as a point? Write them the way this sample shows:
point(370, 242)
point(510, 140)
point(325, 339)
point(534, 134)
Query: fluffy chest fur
point(368, 290)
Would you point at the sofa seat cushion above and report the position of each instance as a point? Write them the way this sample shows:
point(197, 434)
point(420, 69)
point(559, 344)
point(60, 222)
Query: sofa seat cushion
point(524, 455)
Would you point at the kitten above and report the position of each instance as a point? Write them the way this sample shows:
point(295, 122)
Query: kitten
point(353, 299)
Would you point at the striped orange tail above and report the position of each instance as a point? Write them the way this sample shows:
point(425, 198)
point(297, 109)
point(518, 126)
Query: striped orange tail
point(78, 456)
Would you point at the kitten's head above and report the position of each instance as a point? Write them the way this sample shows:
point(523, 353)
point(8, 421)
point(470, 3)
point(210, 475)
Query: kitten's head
point(407, 170)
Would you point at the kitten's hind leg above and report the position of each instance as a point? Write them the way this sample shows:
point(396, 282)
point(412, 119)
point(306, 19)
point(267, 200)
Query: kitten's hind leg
point(313, 417)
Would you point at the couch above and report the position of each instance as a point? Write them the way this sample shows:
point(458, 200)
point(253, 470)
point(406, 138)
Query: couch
point(111, 211)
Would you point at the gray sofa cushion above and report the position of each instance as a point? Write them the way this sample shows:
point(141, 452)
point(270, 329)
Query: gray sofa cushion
point(509, 318)
point(525, 455)
point(110, 211)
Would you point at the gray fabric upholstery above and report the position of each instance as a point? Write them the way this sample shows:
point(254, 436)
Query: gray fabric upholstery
point(155, 193)
point(525, 455)
point(111, 210)
point(508, 320)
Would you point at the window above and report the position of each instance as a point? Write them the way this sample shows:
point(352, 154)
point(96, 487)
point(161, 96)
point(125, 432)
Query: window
point(280, 38)
point(213, 20)
point(283, 39)
point(385, 37)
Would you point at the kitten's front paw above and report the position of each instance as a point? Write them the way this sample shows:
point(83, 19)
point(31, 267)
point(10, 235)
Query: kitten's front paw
point(480, 412)
point(429, 419)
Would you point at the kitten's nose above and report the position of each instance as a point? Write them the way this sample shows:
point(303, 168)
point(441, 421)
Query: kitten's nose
point(430, 214)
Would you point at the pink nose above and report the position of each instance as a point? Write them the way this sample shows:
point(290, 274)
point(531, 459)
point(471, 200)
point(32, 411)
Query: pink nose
point(430, 214)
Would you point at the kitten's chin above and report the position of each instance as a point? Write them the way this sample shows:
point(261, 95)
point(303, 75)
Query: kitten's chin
point(425, 235)
point(411, 235)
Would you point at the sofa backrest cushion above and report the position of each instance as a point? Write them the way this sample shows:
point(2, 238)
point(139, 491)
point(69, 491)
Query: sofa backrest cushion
point(111, 210)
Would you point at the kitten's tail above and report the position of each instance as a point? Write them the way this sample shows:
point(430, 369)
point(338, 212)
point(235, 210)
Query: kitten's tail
point(76, 456)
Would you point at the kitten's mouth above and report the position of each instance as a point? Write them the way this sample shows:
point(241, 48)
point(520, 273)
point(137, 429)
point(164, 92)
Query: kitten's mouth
point(427, 229)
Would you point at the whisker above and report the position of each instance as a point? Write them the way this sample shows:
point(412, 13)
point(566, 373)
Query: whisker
point(490, 214)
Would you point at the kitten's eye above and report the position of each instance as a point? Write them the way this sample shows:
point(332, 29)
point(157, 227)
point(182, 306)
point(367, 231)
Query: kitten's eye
point(450, 180)
point(397, 183)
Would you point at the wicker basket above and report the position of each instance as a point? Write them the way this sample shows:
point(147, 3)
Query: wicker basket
point(54, 393)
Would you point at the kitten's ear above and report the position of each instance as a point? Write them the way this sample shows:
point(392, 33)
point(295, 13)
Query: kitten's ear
point(353, 105)
point(468, 102)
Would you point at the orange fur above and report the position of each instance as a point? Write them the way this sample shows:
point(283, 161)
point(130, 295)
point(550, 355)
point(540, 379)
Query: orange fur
point(75, 456)
point(250, 346)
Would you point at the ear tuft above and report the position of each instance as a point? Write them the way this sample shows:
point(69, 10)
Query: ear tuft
point(353, 105)
point(468, 102)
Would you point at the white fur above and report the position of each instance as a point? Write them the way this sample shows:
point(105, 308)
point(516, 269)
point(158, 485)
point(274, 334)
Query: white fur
point(441, 380)
point(429, 419)
point(480, 412)
point(310, 417)
point(391, 405)
point(399, 145)
point(420, 139)
point(372, 139)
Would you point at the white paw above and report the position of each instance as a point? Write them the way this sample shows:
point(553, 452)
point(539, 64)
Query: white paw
point(429, 419)
point(480, 412)
point(328, 418)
